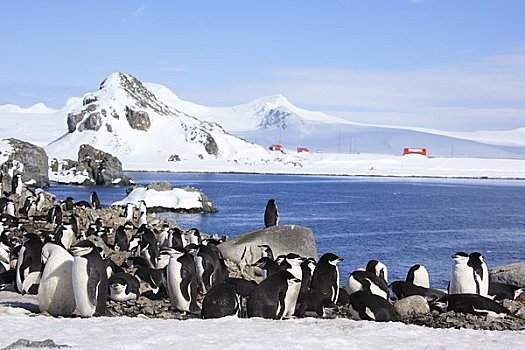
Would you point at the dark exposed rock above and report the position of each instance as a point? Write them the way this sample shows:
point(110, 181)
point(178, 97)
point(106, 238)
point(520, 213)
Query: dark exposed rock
point(33, 344)
point(138, 120)
point(210, 145)
point(89, 99)
point(102, 167)
point(29, 160)
point(92, 122)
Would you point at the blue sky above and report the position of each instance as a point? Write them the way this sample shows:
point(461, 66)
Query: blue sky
point(449, 64)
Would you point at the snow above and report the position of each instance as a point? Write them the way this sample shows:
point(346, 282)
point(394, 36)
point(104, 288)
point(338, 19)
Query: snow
point(177, 198)
point(234, 333)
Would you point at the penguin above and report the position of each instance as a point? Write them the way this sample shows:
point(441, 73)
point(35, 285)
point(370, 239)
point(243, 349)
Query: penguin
point(371, 307)
point(163, 237)
point(418, 275)
point(182, 282)
point(222, 300)
point(121, 239)
point(268, 265)
point(6, 248)
point(65, 235)
point(128, 212)
point(378, 268)
point(94, 201)
point(154, 282)
point(208, 266)
point(481, 273)
point(402, 289)
point(325, 278)
point(462, 278)
point(123, 287)
point(90, 280)
point(313, 300)
point(148, 246)
point(55, 291)
point(54, 215)
point(502, 291)
point(175, 238)
point(191, 236)
point(29, 264)
point(273, 296)
point(40, 200)
point(266, 251)
point(271, 215)
point(474, 304)
point(17, 185)
point(9, 208)
point(142, 214)
point(368, 282)
point(68, 204)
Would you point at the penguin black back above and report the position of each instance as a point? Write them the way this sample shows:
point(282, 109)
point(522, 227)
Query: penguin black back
point(271, 216)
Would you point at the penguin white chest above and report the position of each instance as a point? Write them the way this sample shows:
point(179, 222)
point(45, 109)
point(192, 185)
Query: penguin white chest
point(174, 272)
point(80, 280)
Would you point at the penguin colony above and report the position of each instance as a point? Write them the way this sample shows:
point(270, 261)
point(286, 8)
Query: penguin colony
point(70, 270)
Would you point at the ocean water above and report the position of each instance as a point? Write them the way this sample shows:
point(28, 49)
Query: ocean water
point(400, 221)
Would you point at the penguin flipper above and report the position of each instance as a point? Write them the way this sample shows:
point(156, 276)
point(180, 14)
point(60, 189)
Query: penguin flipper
point(185, 283)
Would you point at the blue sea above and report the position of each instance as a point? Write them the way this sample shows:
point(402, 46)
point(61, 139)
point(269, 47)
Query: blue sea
point(400, 221)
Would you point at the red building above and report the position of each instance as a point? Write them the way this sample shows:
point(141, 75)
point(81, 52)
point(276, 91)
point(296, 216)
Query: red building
point(420, 151)
point(302, 150)
point(276, 147)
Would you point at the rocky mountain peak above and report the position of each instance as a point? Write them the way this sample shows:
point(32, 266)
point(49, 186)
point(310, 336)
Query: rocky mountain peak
point(119, 82)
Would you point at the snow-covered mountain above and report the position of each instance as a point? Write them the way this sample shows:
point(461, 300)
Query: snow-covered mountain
point(146, 124)
point(274, 119)
point(127, 120)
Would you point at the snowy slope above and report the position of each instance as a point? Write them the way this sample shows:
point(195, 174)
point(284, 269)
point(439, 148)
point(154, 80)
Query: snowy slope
point(125, 119)
point(274, 119)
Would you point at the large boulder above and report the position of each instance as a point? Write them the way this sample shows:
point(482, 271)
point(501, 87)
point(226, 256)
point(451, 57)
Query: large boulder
point(512, 274)
point(101, 167)
point(138, 120)
point(243, 251)
point(20, 157)
point(414, 305)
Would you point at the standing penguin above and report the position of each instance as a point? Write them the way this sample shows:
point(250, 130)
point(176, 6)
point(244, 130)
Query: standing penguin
point(55, 291)
point(93, 199)
point(462, 279)
point(17, 185)
point(5, 253)
point(142, 215)
point(273, 296)
point(271, 215)
point(182, 282)
point(90, 280)
point(325, 278)
point(418, 275)
point(222, 300)
point(368, 282)
point(29, 264)
point(481, 273)
point(54, 215)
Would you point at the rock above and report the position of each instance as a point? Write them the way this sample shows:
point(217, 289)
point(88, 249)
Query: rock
point(283, 239)
point(511, 274)
point(138, 120)
point(160, 186)
point(34, 344)
point(411, 306)
point(102, 168)
point(31, 161)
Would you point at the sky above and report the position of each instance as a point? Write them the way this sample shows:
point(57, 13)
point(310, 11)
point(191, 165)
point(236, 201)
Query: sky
point(446, 64)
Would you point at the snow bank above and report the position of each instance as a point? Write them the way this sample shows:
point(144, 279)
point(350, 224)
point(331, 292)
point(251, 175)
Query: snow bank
point(175, 199)
point(234, 333)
